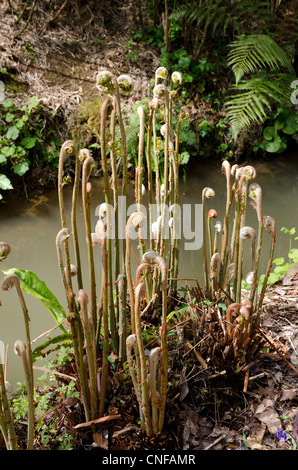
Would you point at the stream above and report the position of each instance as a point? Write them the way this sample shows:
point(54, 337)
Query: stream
point(30, 228)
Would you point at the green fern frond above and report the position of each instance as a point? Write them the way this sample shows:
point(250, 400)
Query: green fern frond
point(251, 53)
point(254, 100)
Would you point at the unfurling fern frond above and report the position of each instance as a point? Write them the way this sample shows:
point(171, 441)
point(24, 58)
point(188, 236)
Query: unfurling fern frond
point(251, 53)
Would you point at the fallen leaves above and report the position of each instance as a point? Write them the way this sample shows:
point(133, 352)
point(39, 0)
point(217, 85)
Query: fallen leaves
point(266, 413)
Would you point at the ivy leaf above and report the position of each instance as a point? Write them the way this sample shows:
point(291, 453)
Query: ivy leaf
point(12, 133)
point(21, 168)
point(5, 183)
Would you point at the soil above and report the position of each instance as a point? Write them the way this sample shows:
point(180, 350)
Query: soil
point(205, 408)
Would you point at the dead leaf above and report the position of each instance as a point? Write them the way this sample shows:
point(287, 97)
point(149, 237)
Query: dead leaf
point(267, 415)
point(253, 444)
point(101, 441)
point(184, 389)
point(289, 395)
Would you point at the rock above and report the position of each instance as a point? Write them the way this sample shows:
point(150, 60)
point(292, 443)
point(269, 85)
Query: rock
point(292, 271)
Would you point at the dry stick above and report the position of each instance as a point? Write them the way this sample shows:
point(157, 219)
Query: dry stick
point(7, 283)
point(275, 349)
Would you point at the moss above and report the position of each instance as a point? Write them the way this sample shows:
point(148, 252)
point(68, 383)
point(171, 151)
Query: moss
point(84, 124)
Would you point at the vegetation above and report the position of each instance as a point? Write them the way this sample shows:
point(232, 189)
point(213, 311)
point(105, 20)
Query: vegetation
point(24, 144)
point(103, 328)
point(98, 327)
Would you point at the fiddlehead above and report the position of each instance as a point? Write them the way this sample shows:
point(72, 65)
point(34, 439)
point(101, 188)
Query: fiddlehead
point(61, 238)
point(7, 284)
point(207, 193)
point(4, 250)
point(136, 220)
point(86, 197)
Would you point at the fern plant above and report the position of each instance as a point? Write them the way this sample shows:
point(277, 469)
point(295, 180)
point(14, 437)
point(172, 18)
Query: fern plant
point(213, 18)
point(271, 74)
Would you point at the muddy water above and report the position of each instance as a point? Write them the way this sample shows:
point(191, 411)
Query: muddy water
point(30, 227)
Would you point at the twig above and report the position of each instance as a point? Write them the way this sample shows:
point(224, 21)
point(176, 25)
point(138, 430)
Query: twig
point(65, 376)
point(275, 349)
point(215, 442)
point(29, 19)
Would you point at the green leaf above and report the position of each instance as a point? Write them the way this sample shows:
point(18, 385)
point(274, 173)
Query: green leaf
point(12, 133)
point(183, 158)
point(8, 103)
point(3, 159)
point(21, 168)
point(60, 339)
point(256, 51)
point(31, 284)
point(9, 117)
point(269, 133)
point(33, 103)
point(279, 261)
point(28, 142)
point(293, 254)
point(5, 182)
point(275, 146)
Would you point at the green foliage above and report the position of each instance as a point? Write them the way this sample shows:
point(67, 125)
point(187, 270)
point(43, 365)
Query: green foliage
point(255, 95)
point(47, 410)
point(254, 52)
point(25, 140)
point(284, 126)
point(219, 18)
point(281, 265)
